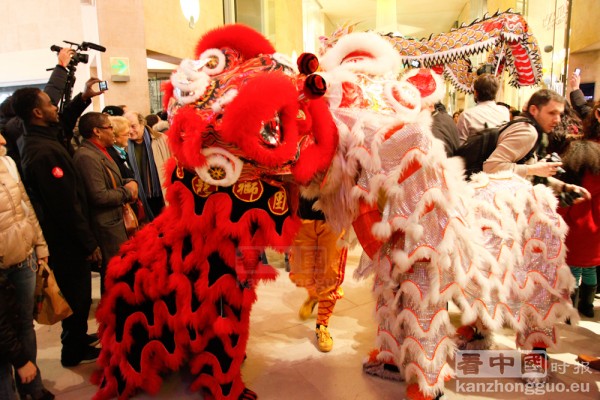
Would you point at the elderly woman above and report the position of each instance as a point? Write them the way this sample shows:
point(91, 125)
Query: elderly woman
point(22, 246)
point(118, 151)
point(106, 189)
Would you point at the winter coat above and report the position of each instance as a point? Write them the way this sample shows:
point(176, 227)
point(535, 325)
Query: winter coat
point(20, 231)
point(161, 152)
point(57, 193)
point(105, 202)
point(582, 157)
point(444, 128)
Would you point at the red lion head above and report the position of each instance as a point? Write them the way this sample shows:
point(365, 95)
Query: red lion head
point(241, 109)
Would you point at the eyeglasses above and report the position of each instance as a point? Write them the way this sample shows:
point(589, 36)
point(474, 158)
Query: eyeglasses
point(106, 127)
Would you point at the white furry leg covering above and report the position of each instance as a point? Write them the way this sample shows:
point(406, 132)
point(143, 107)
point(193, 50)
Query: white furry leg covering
point(426, 329)
point(383, 361)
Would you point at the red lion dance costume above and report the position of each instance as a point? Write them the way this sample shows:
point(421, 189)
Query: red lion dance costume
point(181, 290)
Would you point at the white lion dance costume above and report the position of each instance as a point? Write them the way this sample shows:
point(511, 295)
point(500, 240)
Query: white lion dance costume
point(429, 237)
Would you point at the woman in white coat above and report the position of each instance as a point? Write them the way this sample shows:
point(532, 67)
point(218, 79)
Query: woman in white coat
point(22, 247)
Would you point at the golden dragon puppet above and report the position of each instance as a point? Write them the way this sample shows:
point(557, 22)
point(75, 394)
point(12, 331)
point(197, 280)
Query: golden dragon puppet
point(505, 37)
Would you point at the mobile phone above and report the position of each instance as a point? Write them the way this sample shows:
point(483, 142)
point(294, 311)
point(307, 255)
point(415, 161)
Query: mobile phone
point(578, 71)
point(103, 85)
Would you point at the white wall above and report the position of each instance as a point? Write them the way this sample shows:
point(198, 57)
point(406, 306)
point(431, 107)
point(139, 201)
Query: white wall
point(27, 36)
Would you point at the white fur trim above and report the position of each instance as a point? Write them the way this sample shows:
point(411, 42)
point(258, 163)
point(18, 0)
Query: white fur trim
point(286, 60)
point(384, 58)
point(210, 54)
point(223, 100)
point(381, 230)
point(189, 83)
point(404, 98)
point(221, 158)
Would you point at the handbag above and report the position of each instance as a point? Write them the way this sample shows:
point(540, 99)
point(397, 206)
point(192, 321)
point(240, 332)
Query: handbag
point(130, 220)
point(50, 304)
point(140, 212)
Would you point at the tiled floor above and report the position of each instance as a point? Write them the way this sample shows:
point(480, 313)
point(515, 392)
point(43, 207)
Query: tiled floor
point(283, 362)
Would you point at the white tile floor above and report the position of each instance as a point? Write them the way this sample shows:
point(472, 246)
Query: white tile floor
point(283, 362)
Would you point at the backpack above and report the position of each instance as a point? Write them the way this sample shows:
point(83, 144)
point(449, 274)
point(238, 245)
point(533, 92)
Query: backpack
point(482, 144)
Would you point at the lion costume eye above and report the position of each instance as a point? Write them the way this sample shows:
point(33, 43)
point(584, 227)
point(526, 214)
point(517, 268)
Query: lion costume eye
point(271, 131)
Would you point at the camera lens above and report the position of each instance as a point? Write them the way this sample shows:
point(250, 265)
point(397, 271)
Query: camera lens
point(80, 57)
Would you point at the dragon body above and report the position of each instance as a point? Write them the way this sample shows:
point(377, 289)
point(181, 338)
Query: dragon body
point(505, 37)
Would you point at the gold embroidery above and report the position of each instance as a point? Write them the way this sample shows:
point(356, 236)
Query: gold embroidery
point(248, 191)
point(278, 203)
point(179, 172)
point(202, 188)
point(217, 173)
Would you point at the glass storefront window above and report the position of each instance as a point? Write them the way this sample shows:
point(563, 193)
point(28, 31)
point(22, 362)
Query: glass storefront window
point(548, 22)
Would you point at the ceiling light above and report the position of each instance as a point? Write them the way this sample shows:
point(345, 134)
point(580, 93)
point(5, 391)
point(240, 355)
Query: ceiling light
point(191, 11)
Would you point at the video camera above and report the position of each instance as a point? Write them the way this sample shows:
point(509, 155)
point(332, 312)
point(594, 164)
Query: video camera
point(72, 66)
point(78, 56)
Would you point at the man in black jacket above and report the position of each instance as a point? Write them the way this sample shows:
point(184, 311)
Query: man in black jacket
point(59, 198)
point(444, 128)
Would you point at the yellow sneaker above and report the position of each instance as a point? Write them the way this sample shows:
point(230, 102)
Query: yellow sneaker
point(324, 339)
point(306, 309)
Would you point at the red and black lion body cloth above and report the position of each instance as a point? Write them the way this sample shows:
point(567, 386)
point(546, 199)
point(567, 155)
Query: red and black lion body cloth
point(246, 128)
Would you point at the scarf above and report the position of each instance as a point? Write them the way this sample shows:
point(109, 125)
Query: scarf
point(100, 147)
point(154, 189)
point(121, 151)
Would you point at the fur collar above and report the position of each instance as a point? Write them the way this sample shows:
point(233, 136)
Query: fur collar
point(582, 155)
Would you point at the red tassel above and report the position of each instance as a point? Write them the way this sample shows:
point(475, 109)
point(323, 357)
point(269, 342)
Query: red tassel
point(223, 326)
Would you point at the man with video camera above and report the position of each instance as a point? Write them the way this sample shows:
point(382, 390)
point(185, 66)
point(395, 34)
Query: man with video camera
point(59, 198)
point(60, 85)
point(12, 127)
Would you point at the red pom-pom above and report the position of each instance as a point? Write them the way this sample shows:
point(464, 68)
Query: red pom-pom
point(314, 86)
point(308, 63)
point(223, 326)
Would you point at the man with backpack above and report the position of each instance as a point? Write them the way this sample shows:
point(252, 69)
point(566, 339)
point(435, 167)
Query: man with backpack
point(518, 143)
point(486, 114)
